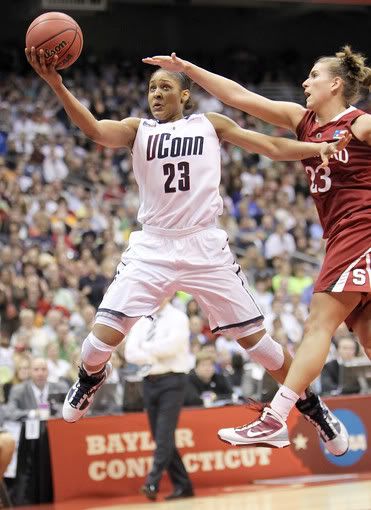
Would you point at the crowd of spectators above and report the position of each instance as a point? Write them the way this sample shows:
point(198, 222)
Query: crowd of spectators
point(68, 206)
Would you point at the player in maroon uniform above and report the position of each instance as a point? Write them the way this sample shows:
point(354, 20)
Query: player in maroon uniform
point(342, 194)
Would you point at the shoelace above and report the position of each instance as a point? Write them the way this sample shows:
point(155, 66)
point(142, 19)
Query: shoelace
point(82, 391)
point(320, 420)
point(253, 405)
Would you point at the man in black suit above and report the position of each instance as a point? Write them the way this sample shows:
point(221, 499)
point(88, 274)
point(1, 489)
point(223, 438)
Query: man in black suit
point(31, 399)
point(330, 377)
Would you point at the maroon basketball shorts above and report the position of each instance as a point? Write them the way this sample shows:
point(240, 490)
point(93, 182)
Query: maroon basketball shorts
point(347, 263)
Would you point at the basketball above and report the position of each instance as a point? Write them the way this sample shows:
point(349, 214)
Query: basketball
point(57, 34)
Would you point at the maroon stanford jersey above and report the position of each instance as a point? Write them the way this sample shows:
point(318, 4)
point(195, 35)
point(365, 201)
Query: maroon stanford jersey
point(342, 190)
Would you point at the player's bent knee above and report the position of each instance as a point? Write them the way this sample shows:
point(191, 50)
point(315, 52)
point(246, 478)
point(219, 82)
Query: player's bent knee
point(114, 326)
point(248, 335)
point(108, 334)
point(319, 322)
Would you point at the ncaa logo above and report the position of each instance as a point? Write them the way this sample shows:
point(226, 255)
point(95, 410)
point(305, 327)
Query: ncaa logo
point(357, 439)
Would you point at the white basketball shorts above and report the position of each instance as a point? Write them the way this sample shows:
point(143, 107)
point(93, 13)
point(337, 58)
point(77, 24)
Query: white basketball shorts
point(155, 266)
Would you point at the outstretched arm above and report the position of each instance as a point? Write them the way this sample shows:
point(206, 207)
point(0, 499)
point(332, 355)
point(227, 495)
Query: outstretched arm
point(110, 133)
point(279, 113)
point(362, 128)
point(276, 148)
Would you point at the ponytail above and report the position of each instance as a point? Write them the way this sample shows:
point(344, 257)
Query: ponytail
point(351, 68)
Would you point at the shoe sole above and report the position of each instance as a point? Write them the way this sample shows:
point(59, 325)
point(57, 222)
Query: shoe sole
point(267, 444)
point(152, 498)
point(342, 431)
point(341, 454)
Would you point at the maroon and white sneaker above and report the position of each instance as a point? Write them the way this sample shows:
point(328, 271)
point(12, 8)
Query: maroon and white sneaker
point(269, 430)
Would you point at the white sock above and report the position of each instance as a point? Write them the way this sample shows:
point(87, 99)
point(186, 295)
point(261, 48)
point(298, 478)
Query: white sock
point(283, 401)
point(268, 353)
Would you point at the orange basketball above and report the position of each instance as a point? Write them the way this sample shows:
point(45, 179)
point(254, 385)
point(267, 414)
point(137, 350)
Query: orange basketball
point(57, 34)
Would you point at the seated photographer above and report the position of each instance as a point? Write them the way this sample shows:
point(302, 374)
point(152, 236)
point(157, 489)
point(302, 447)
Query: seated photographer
point(204, 385)
point(331, 381)
point(36, 397)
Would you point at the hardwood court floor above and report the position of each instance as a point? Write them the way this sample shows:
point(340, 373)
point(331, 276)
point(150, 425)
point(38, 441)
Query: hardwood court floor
point(351, 493)
point(347, 496)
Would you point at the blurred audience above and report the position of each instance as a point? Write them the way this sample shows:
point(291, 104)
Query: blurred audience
point(22, 372)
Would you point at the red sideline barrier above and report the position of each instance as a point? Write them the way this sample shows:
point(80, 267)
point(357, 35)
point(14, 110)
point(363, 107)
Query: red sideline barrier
point(110, 456)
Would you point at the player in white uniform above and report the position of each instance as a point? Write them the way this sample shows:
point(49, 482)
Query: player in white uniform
point(176, 162)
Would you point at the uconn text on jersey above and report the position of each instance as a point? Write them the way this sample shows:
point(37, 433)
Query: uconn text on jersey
point(159, 146)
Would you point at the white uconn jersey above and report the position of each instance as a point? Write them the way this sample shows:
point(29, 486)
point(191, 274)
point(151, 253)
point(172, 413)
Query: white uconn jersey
point(177, 168)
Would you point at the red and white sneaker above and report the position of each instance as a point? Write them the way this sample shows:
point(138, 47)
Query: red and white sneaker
point(269, 430)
